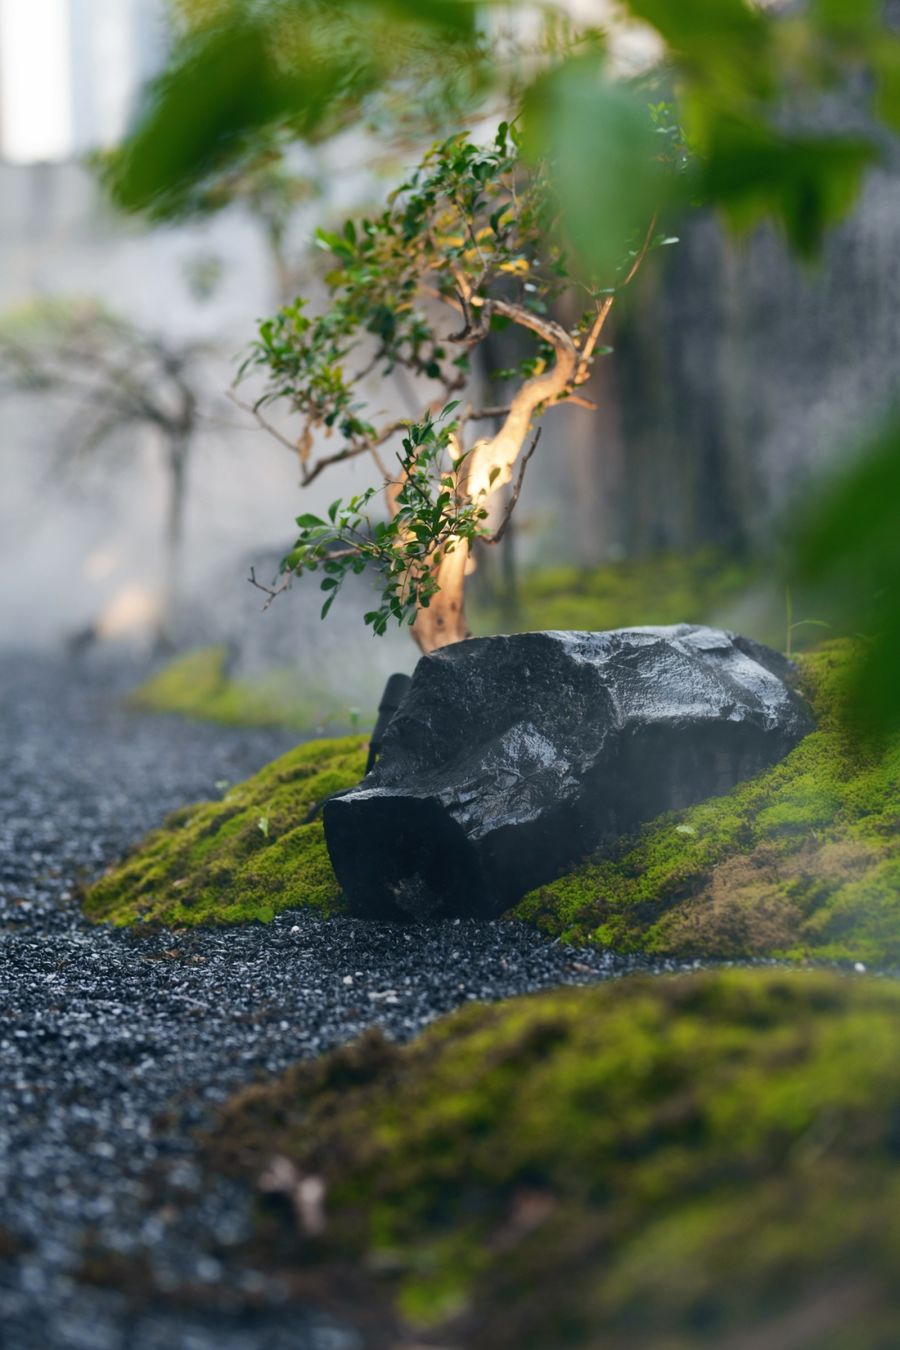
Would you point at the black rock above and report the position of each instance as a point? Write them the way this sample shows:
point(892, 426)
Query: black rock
point(511, 757)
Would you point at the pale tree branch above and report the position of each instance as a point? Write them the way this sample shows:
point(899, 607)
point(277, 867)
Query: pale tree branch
point(502, 450)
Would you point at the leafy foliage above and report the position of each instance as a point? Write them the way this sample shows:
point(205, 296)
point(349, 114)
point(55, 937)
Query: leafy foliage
point(431, 519)
point(474, 230)
point(305, 67)
point(240, 73)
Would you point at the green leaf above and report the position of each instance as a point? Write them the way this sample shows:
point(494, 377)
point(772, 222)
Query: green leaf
point(723, 43)
point(222, 86)
point(309, 522)
point(808, 182)
point(256, 67)
point(848, 553)
point(600, 143)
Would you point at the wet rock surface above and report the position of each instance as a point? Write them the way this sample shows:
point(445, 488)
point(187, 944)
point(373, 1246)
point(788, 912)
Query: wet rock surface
point(512, 757)
point(113, 1049)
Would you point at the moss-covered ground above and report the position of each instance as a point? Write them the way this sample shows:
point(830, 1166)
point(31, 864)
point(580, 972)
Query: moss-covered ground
point(661, 589)
point(245, 857)
point(198, 684)
point(669, 1162)
point(802, 861)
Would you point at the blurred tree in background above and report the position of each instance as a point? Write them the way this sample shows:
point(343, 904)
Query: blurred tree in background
point(114, 379)
point(748, 83)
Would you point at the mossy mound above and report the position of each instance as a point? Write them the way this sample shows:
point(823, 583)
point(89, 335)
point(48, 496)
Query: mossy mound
point(668, 588)
point(198, 685)
point(245, 857)
point(802, 861)
point(655, 1162)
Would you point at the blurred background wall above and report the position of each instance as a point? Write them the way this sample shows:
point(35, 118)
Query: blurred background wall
point(738, 376)
point(77, 537)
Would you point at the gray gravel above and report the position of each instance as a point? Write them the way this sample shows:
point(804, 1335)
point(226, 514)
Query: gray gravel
point(113, 1049)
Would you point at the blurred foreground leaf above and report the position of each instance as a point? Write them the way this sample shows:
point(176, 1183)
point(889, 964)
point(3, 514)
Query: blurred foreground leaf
point(608, 161)
point(239, 71)
point(850, 552)
point(306, 67)
point(754, 173)
point(722, 45)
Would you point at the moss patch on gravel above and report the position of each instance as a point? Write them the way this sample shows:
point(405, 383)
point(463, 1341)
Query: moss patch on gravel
point(801, 861)
point(198, 685)
point(245, 857)
point(673, 1161)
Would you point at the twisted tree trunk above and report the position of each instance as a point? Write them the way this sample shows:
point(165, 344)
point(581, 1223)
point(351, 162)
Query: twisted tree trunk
point(488, 468)
point(444, 621)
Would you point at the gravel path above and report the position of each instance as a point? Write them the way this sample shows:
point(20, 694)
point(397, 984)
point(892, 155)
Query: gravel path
point(113, 1049)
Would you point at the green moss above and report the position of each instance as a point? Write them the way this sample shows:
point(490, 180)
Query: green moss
point(242, 858)
point(803, 860)
point(678, 1162)
point(198, 685)
point(667, 588)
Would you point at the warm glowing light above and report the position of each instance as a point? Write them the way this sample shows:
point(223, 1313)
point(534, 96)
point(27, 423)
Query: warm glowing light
point(35, 80)
point(100, 564)
point(134, 609)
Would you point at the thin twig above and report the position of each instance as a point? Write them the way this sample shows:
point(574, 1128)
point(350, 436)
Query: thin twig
point(493, 414)
point(484, 414)
point(644, 249)
point(367, 447)
point(309, 475)
point(348, 452)
point(369, 367)
point(265, 423)
point(587, 351)
point(267, 590)
point(514, 495)
point(380, 464)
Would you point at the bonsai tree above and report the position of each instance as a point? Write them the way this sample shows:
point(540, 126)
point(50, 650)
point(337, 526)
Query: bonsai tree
point(469, 244)
point(114, 376)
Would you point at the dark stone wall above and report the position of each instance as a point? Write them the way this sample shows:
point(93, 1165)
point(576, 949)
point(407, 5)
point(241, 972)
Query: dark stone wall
point(739, 375)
